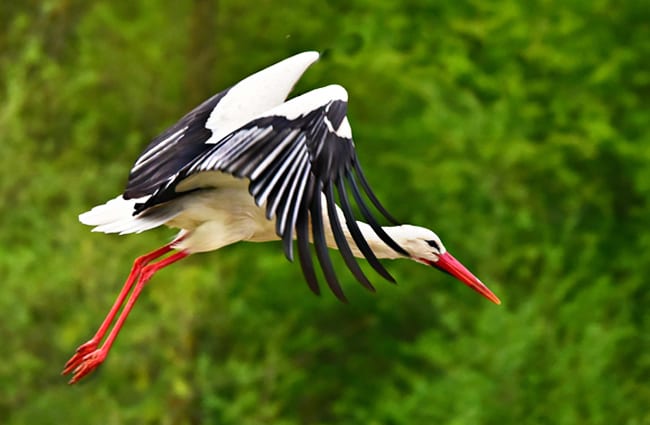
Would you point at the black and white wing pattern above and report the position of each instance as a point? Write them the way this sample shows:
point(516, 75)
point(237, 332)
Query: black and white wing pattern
point(298, 156)
point(213, 119)
point(172, 150)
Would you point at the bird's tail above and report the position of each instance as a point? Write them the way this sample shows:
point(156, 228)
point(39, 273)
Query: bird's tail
point(116, 216)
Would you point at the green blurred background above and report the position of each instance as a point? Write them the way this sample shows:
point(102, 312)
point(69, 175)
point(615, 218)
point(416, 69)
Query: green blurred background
point(519, 131)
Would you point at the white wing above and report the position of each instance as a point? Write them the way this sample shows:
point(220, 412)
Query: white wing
point(213, 119)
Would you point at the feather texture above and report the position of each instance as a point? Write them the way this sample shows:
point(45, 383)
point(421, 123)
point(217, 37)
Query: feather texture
point(297, 156)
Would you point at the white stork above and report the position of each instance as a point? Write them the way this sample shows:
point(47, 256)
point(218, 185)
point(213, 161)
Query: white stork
point(247, 166)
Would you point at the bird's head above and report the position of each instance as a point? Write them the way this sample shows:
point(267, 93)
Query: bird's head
point(425, 247)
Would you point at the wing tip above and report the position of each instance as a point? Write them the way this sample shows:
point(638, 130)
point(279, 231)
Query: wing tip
point(336, 92)
point(310, 56)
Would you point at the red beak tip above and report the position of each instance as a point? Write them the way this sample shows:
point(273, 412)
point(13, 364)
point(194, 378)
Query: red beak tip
point(485, 291)
point(449, 264)
point(489, 295)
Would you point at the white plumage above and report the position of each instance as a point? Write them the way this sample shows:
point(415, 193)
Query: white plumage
point(246, 165)
point(257, 94)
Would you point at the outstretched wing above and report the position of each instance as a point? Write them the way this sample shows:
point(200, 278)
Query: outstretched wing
point(213, 119)
point(299, 156)
point(172, 150)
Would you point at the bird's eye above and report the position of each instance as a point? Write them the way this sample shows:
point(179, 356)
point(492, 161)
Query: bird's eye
point(434, 244)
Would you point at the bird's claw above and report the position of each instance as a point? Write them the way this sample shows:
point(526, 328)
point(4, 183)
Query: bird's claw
point(77, 358)
point(85, 360)
point(85, 365)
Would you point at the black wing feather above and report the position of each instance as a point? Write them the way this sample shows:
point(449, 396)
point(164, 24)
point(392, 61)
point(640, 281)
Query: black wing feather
point(356, 233)
point(316, 214)
point(341, 242)
point(172, 150)
point(371, 194)
point(302, 240)
point(294, 208)
point(371, 219)
point(291, 163)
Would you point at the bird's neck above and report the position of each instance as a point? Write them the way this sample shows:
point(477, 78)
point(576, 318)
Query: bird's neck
point(379, 247)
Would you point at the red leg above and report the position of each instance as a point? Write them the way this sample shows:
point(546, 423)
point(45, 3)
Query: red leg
point(90, 361)
point(141, 272)
point(92, 344)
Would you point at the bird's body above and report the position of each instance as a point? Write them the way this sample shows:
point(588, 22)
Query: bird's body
point(228, 210)
point(247, 166)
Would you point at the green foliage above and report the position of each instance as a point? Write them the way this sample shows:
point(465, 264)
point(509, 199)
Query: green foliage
point(519, 131)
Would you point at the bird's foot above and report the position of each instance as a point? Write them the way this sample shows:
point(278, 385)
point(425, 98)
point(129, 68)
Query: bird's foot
point(81, 366)
point(79, 357)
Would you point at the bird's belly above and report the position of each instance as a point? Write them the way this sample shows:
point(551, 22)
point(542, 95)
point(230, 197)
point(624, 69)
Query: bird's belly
point(213, 218)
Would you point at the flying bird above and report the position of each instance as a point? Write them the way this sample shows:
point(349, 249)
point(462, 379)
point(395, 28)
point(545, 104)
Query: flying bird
point(248, 165)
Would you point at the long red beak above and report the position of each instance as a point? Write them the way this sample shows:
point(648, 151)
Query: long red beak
point(447, 263)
